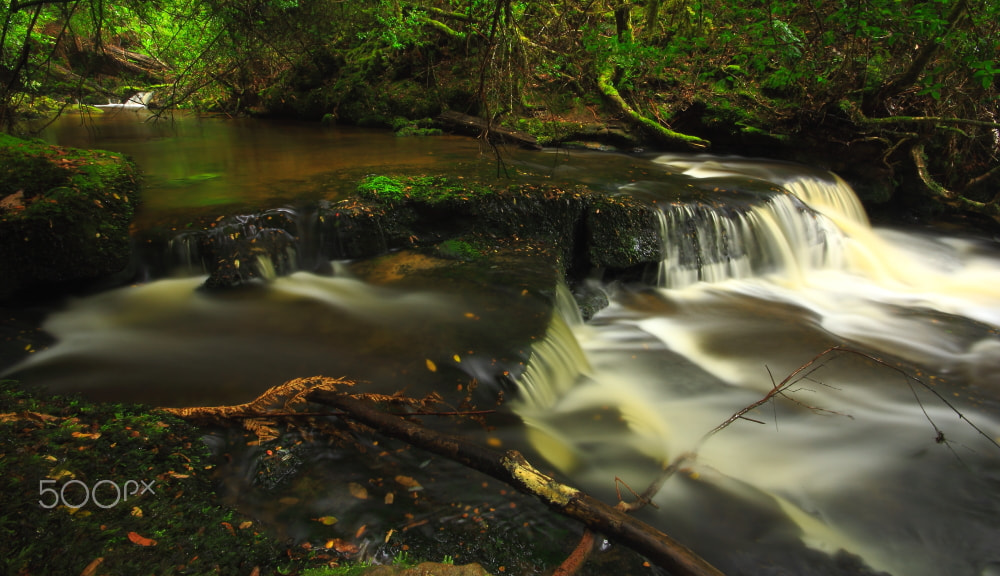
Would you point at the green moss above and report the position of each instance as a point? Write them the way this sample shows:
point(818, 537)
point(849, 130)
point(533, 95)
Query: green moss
point(457, 249)
point(66, 213)
point(425, 189)
point(547, 132)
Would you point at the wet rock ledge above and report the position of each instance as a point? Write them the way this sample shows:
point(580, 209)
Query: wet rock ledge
point(64, 216)
point(583, 232)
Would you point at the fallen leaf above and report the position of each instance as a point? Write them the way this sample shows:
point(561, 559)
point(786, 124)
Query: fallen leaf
point(358, 491)
point(342, 546)
point(326, 520)
point(59, 474)
point(245, 524)
point(228, 527)
point(409, 483)
point(136, 511)
point(431, 366)
point(141, 540)
point(93, 436)
point(91, 568)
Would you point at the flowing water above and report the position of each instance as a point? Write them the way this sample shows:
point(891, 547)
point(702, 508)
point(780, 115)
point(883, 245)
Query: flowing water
point(884, 455)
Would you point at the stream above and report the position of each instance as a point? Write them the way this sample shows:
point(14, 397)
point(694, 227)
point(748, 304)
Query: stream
point(881, 458)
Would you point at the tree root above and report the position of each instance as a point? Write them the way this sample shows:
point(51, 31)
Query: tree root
point(950, 197)
point(607, 87)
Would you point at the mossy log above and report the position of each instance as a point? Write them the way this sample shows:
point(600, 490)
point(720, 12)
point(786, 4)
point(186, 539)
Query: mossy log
point(476, 126)
point(654, 128)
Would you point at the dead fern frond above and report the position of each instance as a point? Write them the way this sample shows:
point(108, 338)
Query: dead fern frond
point(252, 415)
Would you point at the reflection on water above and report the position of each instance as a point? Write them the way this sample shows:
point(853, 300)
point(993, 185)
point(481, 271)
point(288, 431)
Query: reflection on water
point(845, 469)
point(220, 163)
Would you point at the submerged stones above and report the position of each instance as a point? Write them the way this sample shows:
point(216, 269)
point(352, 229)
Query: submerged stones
point(64, 216)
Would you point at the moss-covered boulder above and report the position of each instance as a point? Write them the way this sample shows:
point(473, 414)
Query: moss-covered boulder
point(64, 215)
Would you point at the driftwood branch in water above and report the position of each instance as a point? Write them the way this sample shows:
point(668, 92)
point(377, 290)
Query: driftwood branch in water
point(781, 389)
point(475, 126)
point(511, 467)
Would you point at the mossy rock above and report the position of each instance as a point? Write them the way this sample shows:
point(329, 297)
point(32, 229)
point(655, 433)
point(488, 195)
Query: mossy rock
point(64, 215)
point(584, 229)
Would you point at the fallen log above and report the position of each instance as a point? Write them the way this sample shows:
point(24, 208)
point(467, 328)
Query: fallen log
point(475, 126)
point(511, 467)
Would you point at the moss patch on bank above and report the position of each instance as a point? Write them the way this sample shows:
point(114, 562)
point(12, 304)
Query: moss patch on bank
point(64, 214)
point(119, 487)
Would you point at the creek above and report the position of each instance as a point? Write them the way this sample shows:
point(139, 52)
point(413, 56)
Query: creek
point(767, 265)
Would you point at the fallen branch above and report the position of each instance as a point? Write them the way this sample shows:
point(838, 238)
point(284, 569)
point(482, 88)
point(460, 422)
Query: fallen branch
point(475, 126)
point(780, 389)
point(512, 468)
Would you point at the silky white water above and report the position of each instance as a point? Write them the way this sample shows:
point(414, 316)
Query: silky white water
point(850, 458)
point(766, 266)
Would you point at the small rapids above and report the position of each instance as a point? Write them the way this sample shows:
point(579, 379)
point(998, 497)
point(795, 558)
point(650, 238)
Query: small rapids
point(858, 468)
point(847, 468)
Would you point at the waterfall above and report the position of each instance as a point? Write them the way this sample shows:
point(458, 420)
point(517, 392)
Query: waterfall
point(781, 234)
point(137, 101)
point(275, 242)
point(558, 361)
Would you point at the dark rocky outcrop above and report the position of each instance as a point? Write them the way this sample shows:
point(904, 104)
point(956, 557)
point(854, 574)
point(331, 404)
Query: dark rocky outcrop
point(580, 232)
point(585, 230)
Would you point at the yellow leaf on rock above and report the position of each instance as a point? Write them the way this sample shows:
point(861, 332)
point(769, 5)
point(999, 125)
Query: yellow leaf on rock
point(57, 474)
point(431, 365)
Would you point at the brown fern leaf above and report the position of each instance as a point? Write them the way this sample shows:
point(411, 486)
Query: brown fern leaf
point(249, 413)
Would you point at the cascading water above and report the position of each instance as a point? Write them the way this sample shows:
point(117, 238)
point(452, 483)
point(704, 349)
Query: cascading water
point(766, 265)
point(848, 470)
